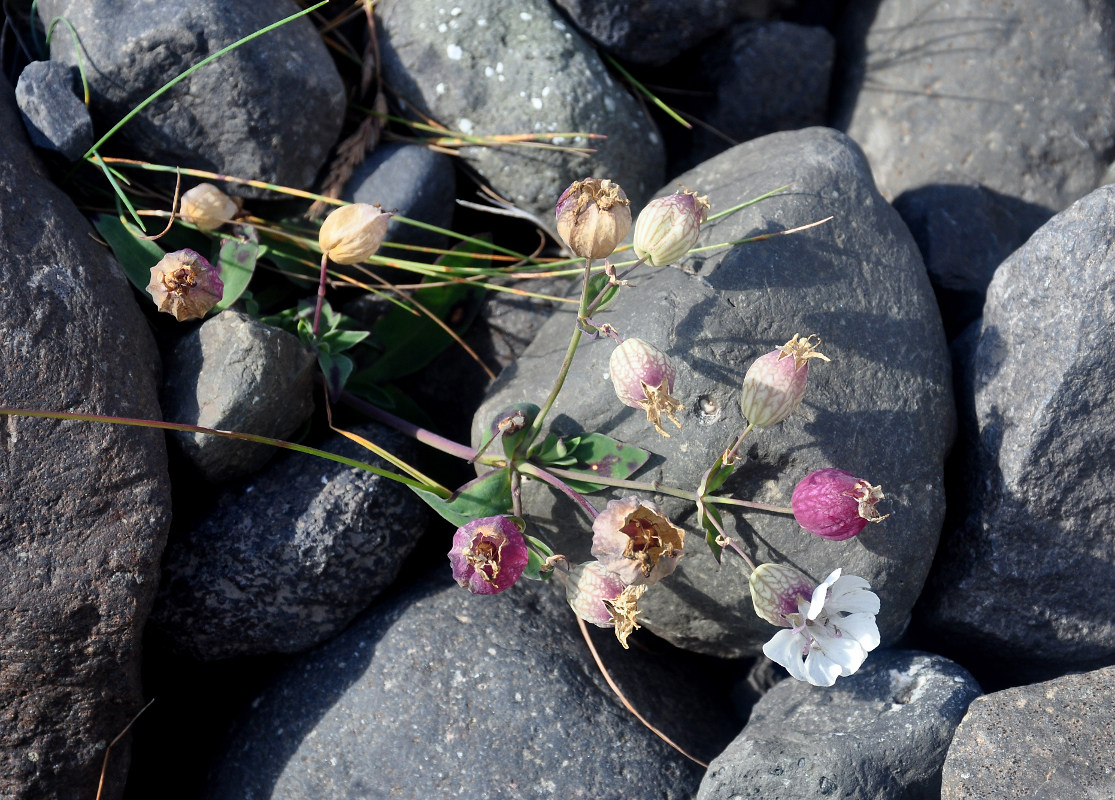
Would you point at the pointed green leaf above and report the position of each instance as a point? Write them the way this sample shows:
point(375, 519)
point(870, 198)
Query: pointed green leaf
point(487, 496)
point(539, 552)
point(237, 262)
point(598, 454)
point(135, 256)
point(595, 285)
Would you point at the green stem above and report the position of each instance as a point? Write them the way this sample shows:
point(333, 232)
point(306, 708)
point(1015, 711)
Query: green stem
point(731, 501)
point(536, 426)
point(545, 476)
point(620, 483)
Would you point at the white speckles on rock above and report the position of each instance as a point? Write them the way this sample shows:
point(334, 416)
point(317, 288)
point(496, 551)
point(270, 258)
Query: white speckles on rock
point(525, 16)
point(453, 51)
point(440, 88)
point(559, 24)
point(489, 72)
point(609, 104)
point(464, 125)
point(536, 102)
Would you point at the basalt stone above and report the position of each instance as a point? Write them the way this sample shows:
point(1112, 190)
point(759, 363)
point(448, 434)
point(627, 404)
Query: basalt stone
point(1047, 740)
point(283, 561)
point(485, 69)
point(968, 105)
point(52, 114)
point(645, 32)
point(441, 693)
point(235, 373)
point(226, 117)
point(412, 180)
point(1034, 524)
point(882, 409)
point(765, 76)
point(883, 732)
point(84, 507)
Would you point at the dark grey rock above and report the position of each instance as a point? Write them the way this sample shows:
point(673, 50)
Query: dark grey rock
point(441, 693)
point(965, 231)
point(655, 32)
point(767, 77)
point(883, 409)
point(53, 116)
point(881, 733)
point(495, 70)
point(991, 128)
point(84, 507)
point(1036, 522)
point(1045, 741)
point(414, 181)
point(238, 374)
point(227, 116)
point(285, 560)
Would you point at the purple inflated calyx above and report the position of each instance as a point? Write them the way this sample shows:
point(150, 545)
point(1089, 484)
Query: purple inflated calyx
point(489, 554)
point(643, 377)
point(835, 504)
point(775, 383)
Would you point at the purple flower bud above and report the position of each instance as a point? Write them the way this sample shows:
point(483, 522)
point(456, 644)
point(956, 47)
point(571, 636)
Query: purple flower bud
point(186, 285)
point(668, 226)
point(633, 539)
point(775, 383)
point(835, 504)
point(643, 377)
point(603, 599)
point(489, 554)
point(593, 217)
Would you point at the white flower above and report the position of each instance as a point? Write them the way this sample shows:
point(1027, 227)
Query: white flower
point(831, 634)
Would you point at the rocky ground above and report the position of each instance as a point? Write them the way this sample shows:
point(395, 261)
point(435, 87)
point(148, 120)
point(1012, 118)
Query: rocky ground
point(295, 619)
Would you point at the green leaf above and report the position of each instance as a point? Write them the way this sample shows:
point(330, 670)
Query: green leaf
point(598, 454)
point(511, 439)
point(487, 496)
point(595, 285)
point(707, 515)
point(336, 369)
point(237, 261)
point(558, 451)
point(135, 256)
point(338, 340)
point(539, 552)
point(715, 477)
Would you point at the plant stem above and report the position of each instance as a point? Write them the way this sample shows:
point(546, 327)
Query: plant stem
point(547, 477)
point(748, 504)
point(730, 454)
point(415, 431)
point(569, 474)
point(320, 293)
point(536, 426)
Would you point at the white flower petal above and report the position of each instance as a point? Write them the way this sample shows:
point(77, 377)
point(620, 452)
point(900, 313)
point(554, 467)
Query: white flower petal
point(860, 627)
point(785, 649)
point(820, 670)
point(852, 594)
point(820, 594)
point(846, 652)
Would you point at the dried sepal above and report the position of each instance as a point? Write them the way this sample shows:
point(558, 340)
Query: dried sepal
point(775, 383)
point(603, 599)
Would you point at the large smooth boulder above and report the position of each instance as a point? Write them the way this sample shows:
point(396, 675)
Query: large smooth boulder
point(225, 117)
point(84, 506)
point(882, 410)
point(487, 68)
point(1019, 579)
point(442, 693)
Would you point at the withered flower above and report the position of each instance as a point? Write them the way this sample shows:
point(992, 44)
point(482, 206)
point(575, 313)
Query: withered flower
point(207, 207)
point(643, 377)
point(353, 233)
point(185, 284)
point(603, 599)
point(489, 555)
point(593, 217)
point(633, 539)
